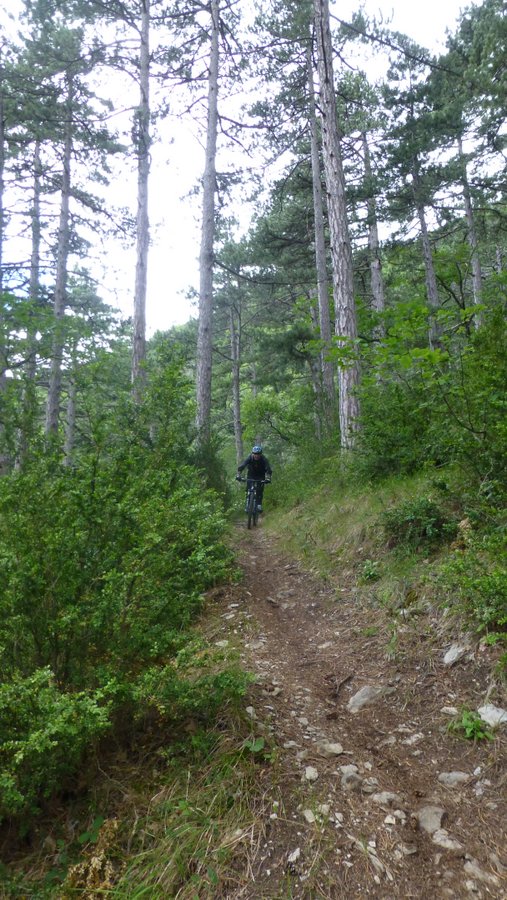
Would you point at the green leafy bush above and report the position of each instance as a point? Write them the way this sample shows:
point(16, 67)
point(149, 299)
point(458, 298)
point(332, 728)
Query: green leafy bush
point(417, 523)
point(176, 695)
point(474, 582)
point(103, 566)
point(44, 734)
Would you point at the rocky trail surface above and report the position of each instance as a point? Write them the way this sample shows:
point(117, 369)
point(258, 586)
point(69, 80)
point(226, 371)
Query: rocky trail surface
point(367, 793)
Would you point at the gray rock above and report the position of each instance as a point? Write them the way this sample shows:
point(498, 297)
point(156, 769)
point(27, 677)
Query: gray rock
point(472, 868)
point(453, 779)
point(430, 818)
point(329, 749)
point(311, 773)
point(407, 849)
point(455, 653)
point(413, 739)
point(369, 785)
point(493, 715)
point(387, 799)
point(351, 781)
point(443, 839)
point(367, 694)
point(309, 816)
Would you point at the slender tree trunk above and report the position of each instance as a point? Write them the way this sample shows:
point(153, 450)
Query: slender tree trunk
point(29, 389)
point(472, 234)
point(60, 293)
point(341, 251)
point(320, 256)
point(3, 351)
point(142, 123)
point(429, 269)
point(321, 417)
point(205, 332)
point(235, 330)
point(70, 423)
point(377, 284)
point(430, 277)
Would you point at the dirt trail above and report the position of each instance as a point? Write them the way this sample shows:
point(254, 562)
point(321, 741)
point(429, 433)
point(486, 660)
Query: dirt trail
point(385, 826)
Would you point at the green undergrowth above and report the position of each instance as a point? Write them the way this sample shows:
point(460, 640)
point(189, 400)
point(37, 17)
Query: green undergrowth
point(422, 541)
point(176, 821)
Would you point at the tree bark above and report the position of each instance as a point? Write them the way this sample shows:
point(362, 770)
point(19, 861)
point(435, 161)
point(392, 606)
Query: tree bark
point(321, 417)
point(29, 389)
point(377, 284)
point(3, 352)
point(235, 331)
point(429, 269)
point(327, 372)
point(142, 134)
point(341, 251)
point(70, 423)
point(205, 331)
point(472, 234)
point(60, 293)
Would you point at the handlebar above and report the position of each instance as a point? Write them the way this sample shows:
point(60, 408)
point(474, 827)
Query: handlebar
point(260, 480)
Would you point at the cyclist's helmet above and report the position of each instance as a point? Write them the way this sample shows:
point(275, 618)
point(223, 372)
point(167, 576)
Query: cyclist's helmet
point(257, 449)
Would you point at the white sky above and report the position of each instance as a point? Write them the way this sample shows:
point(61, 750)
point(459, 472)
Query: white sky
point(178, 160)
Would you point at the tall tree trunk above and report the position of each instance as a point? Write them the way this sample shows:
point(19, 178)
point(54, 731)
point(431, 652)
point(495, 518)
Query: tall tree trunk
point(472, 234)
point(341, 251)
point(205, 332)
point(3, 352)
point(70, 423)
point(142, 132)
point(60, 293)
point(377, 284)
point(29, 389)
point(429, 269)
point(235, 331)
point(320, 255)
point(321, 417)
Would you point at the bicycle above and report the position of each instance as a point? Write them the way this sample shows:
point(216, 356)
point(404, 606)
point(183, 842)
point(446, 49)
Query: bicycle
point(252, 498)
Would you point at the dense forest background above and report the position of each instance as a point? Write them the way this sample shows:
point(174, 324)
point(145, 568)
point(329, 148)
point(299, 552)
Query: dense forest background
point(357, 330)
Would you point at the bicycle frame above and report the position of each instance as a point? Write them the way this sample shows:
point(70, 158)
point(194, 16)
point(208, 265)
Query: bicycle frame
point(252, 499)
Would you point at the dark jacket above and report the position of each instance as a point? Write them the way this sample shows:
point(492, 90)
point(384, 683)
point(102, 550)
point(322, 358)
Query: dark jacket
point(256, 468)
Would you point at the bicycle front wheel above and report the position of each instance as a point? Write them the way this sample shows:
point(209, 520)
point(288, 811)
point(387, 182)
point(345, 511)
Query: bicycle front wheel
point(251, 509)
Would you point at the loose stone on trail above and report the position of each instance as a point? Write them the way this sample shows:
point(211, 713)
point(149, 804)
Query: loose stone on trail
point(453, 779)
point(430, 818)
point(493, 715)
point(365, 695)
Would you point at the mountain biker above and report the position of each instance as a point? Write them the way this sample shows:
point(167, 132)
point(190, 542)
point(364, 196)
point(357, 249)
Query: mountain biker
point(257, 466)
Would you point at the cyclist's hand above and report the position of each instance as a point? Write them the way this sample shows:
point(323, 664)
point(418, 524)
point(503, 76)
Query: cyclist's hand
point(238, 477)
point(268, 479)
